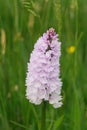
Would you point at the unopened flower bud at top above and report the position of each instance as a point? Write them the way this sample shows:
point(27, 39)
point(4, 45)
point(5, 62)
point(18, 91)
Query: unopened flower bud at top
point(43, 76)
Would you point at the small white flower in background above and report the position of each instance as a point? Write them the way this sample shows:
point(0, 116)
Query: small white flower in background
point(9, 95)
point(16, 88)
point(42, 81)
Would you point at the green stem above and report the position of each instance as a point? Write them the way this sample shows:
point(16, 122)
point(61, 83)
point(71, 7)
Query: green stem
point(16, 15)
point(43, 120)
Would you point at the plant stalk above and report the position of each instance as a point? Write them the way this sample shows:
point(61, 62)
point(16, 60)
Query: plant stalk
point(43, 119)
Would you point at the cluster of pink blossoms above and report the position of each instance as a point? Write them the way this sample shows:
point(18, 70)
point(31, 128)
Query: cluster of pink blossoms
point(43, 77)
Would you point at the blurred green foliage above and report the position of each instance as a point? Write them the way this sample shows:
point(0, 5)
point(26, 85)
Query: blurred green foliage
point(20, 26)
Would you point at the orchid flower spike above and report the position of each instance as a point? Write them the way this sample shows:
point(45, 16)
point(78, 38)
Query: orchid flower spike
point(43, 76)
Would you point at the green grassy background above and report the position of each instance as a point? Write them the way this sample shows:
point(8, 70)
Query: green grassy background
point(20, 27)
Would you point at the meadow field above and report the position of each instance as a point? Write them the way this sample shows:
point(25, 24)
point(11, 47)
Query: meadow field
point(22, 22)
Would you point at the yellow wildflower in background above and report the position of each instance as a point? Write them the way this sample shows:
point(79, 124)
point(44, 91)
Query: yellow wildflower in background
point(71, 49)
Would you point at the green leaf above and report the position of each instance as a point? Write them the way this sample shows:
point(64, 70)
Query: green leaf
point(58, 122)
point(18, 124)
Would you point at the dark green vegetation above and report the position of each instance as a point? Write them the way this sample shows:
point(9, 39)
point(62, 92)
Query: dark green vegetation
point(20, 27)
